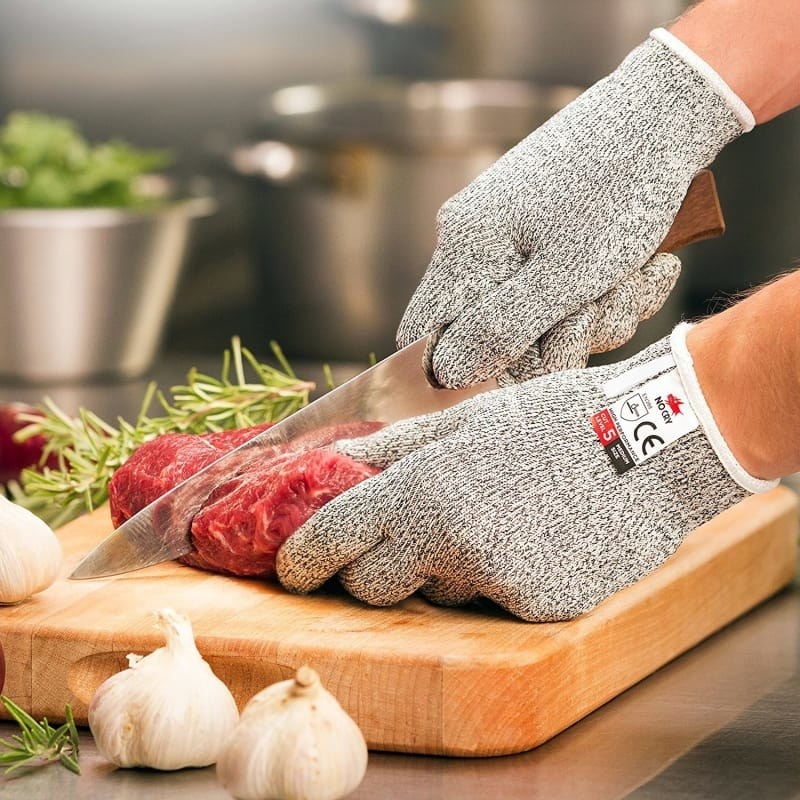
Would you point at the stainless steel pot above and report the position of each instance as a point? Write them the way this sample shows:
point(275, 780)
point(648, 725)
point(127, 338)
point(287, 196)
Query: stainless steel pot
point(575, 41)
point(85, 293)
point(346, 181)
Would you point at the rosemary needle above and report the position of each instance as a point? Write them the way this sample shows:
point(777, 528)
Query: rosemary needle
point(90, 449)
point(39, 742)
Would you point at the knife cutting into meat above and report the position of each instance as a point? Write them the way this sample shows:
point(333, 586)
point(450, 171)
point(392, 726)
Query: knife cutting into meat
point(394, 389)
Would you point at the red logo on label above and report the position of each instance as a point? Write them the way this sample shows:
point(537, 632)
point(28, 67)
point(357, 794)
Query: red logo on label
point(674, 404)
point(604, 427)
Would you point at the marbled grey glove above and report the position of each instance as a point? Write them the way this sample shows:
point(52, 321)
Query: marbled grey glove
point(572, 212)
point(526, 495)
point(603, 324)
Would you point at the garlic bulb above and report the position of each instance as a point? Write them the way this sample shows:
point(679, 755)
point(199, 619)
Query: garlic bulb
point(293, 742)
point(168, 710)
point(30, 553)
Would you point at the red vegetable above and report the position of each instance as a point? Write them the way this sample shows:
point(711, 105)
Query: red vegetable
point(14, 455)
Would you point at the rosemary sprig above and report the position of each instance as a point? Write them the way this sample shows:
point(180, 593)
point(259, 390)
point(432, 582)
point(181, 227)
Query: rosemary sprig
point(39, 742)
point(90, 449)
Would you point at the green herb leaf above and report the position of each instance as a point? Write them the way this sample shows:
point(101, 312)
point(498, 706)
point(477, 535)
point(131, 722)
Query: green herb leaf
point(46, 163)
point(39, 742)
point(90, 449)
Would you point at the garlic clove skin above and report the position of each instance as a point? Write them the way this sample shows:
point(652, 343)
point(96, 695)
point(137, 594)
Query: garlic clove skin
point(293, 742)
point(168, 710)
point(30, 553)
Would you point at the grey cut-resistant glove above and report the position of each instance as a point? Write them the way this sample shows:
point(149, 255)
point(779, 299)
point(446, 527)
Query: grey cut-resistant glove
point(570, 214)
point(526, 495)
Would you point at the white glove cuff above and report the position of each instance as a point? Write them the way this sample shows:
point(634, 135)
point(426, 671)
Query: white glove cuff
point(685, 365)
point(735, 103)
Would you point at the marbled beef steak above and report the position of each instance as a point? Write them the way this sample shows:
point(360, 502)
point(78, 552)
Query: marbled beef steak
point(160, 465)
point(245, 520)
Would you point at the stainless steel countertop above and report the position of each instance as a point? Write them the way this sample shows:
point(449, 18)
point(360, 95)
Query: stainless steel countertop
point(721, 721)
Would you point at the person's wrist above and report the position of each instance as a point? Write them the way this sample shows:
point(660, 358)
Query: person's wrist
point(708, 376)
point(736, 104)
point(752, 45)
point(747, 360)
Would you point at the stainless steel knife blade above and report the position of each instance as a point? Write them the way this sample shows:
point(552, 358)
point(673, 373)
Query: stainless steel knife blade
point(391, 390)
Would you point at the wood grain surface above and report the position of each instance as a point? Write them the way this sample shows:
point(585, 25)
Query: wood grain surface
point(415, 677)
point(699, 217)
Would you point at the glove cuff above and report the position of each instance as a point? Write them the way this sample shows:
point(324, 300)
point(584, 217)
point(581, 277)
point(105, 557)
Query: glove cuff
point(685, 365)
point(717, 82)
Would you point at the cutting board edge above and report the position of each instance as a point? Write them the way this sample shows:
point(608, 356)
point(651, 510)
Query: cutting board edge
point(448, 690)
point(771, 549)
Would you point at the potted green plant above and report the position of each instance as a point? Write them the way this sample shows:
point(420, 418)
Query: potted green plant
point(92, 244)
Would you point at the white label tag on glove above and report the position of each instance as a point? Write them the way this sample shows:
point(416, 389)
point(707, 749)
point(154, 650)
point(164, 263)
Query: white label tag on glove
point(644, 421)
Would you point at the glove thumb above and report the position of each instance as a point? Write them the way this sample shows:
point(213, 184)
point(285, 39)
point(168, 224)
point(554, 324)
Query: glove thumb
point(396, 441)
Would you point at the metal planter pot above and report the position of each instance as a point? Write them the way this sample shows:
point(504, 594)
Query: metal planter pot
point(85, 293)
point(345, 183)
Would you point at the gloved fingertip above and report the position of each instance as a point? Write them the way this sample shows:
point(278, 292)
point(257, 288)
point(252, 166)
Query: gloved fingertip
point(526, 368)
point(659, 276)
point(406, 334)
point(373, 587)
point(662, 263)
point(567, 344)
point(448, 593)
point(335, 535)
point(461, 360)
point(294, 572)
point(558, 360)
point(427, 359)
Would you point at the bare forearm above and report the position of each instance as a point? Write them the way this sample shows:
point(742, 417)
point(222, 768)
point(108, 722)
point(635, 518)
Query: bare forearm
point(753, 45)
point(747, 360)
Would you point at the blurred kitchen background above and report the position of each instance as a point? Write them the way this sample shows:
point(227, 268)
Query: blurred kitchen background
point(326, 196)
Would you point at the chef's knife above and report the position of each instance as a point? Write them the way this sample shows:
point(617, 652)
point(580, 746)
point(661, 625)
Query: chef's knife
point(393, 389)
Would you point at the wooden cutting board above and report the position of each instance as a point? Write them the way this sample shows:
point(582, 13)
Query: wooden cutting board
point(416, 678)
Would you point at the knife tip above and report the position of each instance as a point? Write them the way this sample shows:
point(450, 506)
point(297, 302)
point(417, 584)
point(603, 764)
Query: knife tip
point(80, 575)
point(87, 570)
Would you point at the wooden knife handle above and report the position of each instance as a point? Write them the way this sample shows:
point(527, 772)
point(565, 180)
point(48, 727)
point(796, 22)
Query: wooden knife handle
point(699, 217)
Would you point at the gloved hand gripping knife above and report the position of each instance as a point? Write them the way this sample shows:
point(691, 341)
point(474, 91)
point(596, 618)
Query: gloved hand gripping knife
point(548, 254)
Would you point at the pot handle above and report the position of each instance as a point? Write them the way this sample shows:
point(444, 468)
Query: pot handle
point(279, 163)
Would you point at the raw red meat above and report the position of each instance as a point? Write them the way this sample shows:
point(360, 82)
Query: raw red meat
point(159, 465)
point(245, 520)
